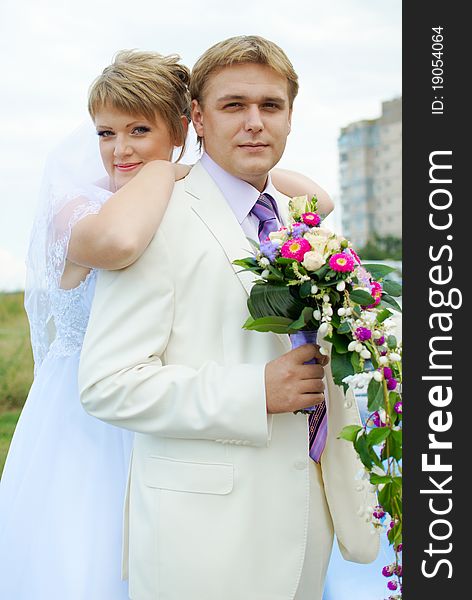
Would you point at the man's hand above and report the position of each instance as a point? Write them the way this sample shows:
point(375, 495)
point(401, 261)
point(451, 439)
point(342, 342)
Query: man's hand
point(290, 384)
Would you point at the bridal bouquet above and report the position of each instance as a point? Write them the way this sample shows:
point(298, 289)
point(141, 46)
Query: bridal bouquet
point(311, 279)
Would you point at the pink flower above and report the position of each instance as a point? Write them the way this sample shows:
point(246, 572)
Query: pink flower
point(341, 262)
point(354, 254)
point(376, 293)
point(312, 219)
point(296, 249)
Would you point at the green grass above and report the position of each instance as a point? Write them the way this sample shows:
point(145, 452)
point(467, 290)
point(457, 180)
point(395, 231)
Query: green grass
point(16, 361)
point(16, 366)
point(8, 423)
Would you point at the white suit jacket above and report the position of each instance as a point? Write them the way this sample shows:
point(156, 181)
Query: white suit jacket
point(218, 490)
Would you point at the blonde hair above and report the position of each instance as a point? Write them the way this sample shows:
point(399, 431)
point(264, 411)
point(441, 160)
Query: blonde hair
point(145, 83)
point(238, 50)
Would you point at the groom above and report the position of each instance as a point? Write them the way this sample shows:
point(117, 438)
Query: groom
point(224, 501)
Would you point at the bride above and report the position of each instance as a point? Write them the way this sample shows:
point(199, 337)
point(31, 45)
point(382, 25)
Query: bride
point(62, 490)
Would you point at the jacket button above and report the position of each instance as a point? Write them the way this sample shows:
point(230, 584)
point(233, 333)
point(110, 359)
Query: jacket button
point(300, 464)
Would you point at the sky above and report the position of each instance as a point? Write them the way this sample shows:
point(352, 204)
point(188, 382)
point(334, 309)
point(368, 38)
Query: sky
point(347, 54)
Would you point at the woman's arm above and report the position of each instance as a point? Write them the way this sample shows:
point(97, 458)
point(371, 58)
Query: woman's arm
point(292, 184)
point(118, 235)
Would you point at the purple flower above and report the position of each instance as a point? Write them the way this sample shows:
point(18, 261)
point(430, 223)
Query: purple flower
point(388, 570)
point(299, 229)
point(399, 570)
point(363, 334)
point(269, 250)
point(398, 408)
point(391, 383)
point(376, 420)
point(380, 341)
point(399, 547)
point(378, 511)
point(387, 372)
point(392, 585)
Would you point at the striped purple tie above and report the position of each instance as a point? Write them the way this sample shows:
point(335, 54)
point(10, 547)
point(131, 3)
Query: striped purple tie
point(318, 430)
point(265, 209)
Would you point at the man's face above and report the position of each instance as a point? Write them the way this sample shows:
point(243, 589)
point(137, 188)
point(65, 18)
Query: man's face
point(244, 120)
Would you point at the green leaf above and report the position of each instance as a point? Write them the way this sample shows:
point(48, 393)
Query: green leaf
point(349, 432)
point(303, 319)
point(344, 327)
point(277, 274)
point(272, 323)
point(248, 264)
point(389, 301)
point(395, 444)
point(340, 342)
point(376, 479)
point(395, 534)
point(361, 297)
point(305, 289)
point(356, 362)
point(375, 395)
point(341, 367)
point(362, 450)
point(392, 342)
point(253, 243)
point(383, 314)
point(393, 398)
point(377, 435)
point(284, 261)
point(321, 272)
point(271, 299)
point(393, 288)
point(378, 271)
point(386, 494)
point(357, 310)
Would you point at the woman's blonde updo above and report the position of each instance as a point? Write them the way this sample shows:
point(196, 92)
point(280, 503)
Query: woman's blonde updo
point(143, 84)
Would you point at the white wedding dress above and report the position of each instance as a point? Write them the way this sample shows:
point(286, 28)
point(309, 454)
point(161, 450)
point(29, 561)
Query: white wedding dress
point(62, 490)
point(63, 486)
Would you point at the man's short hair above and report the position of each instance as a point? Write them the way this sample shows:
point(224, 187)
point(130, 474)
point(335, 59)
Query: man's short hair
point(239, 50)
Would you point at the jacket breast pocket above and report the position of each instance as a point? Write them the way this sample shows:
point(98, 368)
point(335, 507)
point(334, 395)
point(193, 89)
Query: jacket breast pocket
point(184, 476)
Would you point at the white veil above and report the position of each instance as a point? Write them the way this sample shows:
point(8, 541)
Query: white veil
point(74, 185)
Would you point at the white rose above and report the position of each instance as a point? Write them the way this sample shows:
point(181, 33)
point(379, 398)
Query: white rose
point(298, 205)
point(278, 235)
point(312, 261)
point(333, 245)
point(317, 243)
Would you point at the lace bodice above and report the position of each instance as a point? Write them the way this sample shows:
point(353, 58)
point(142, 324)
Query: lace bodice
point(71, 311)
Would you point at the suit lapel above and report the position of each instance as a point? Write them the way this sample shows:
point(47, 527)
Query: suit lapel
point(210, 205)
point(212, 208)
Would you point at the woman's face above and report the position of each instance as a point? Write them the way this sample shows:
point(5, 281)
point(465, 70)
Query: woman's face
point(127, 142)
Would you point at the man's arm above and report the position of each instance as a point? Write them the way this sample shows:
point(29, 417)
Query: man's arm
point(123, 379)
